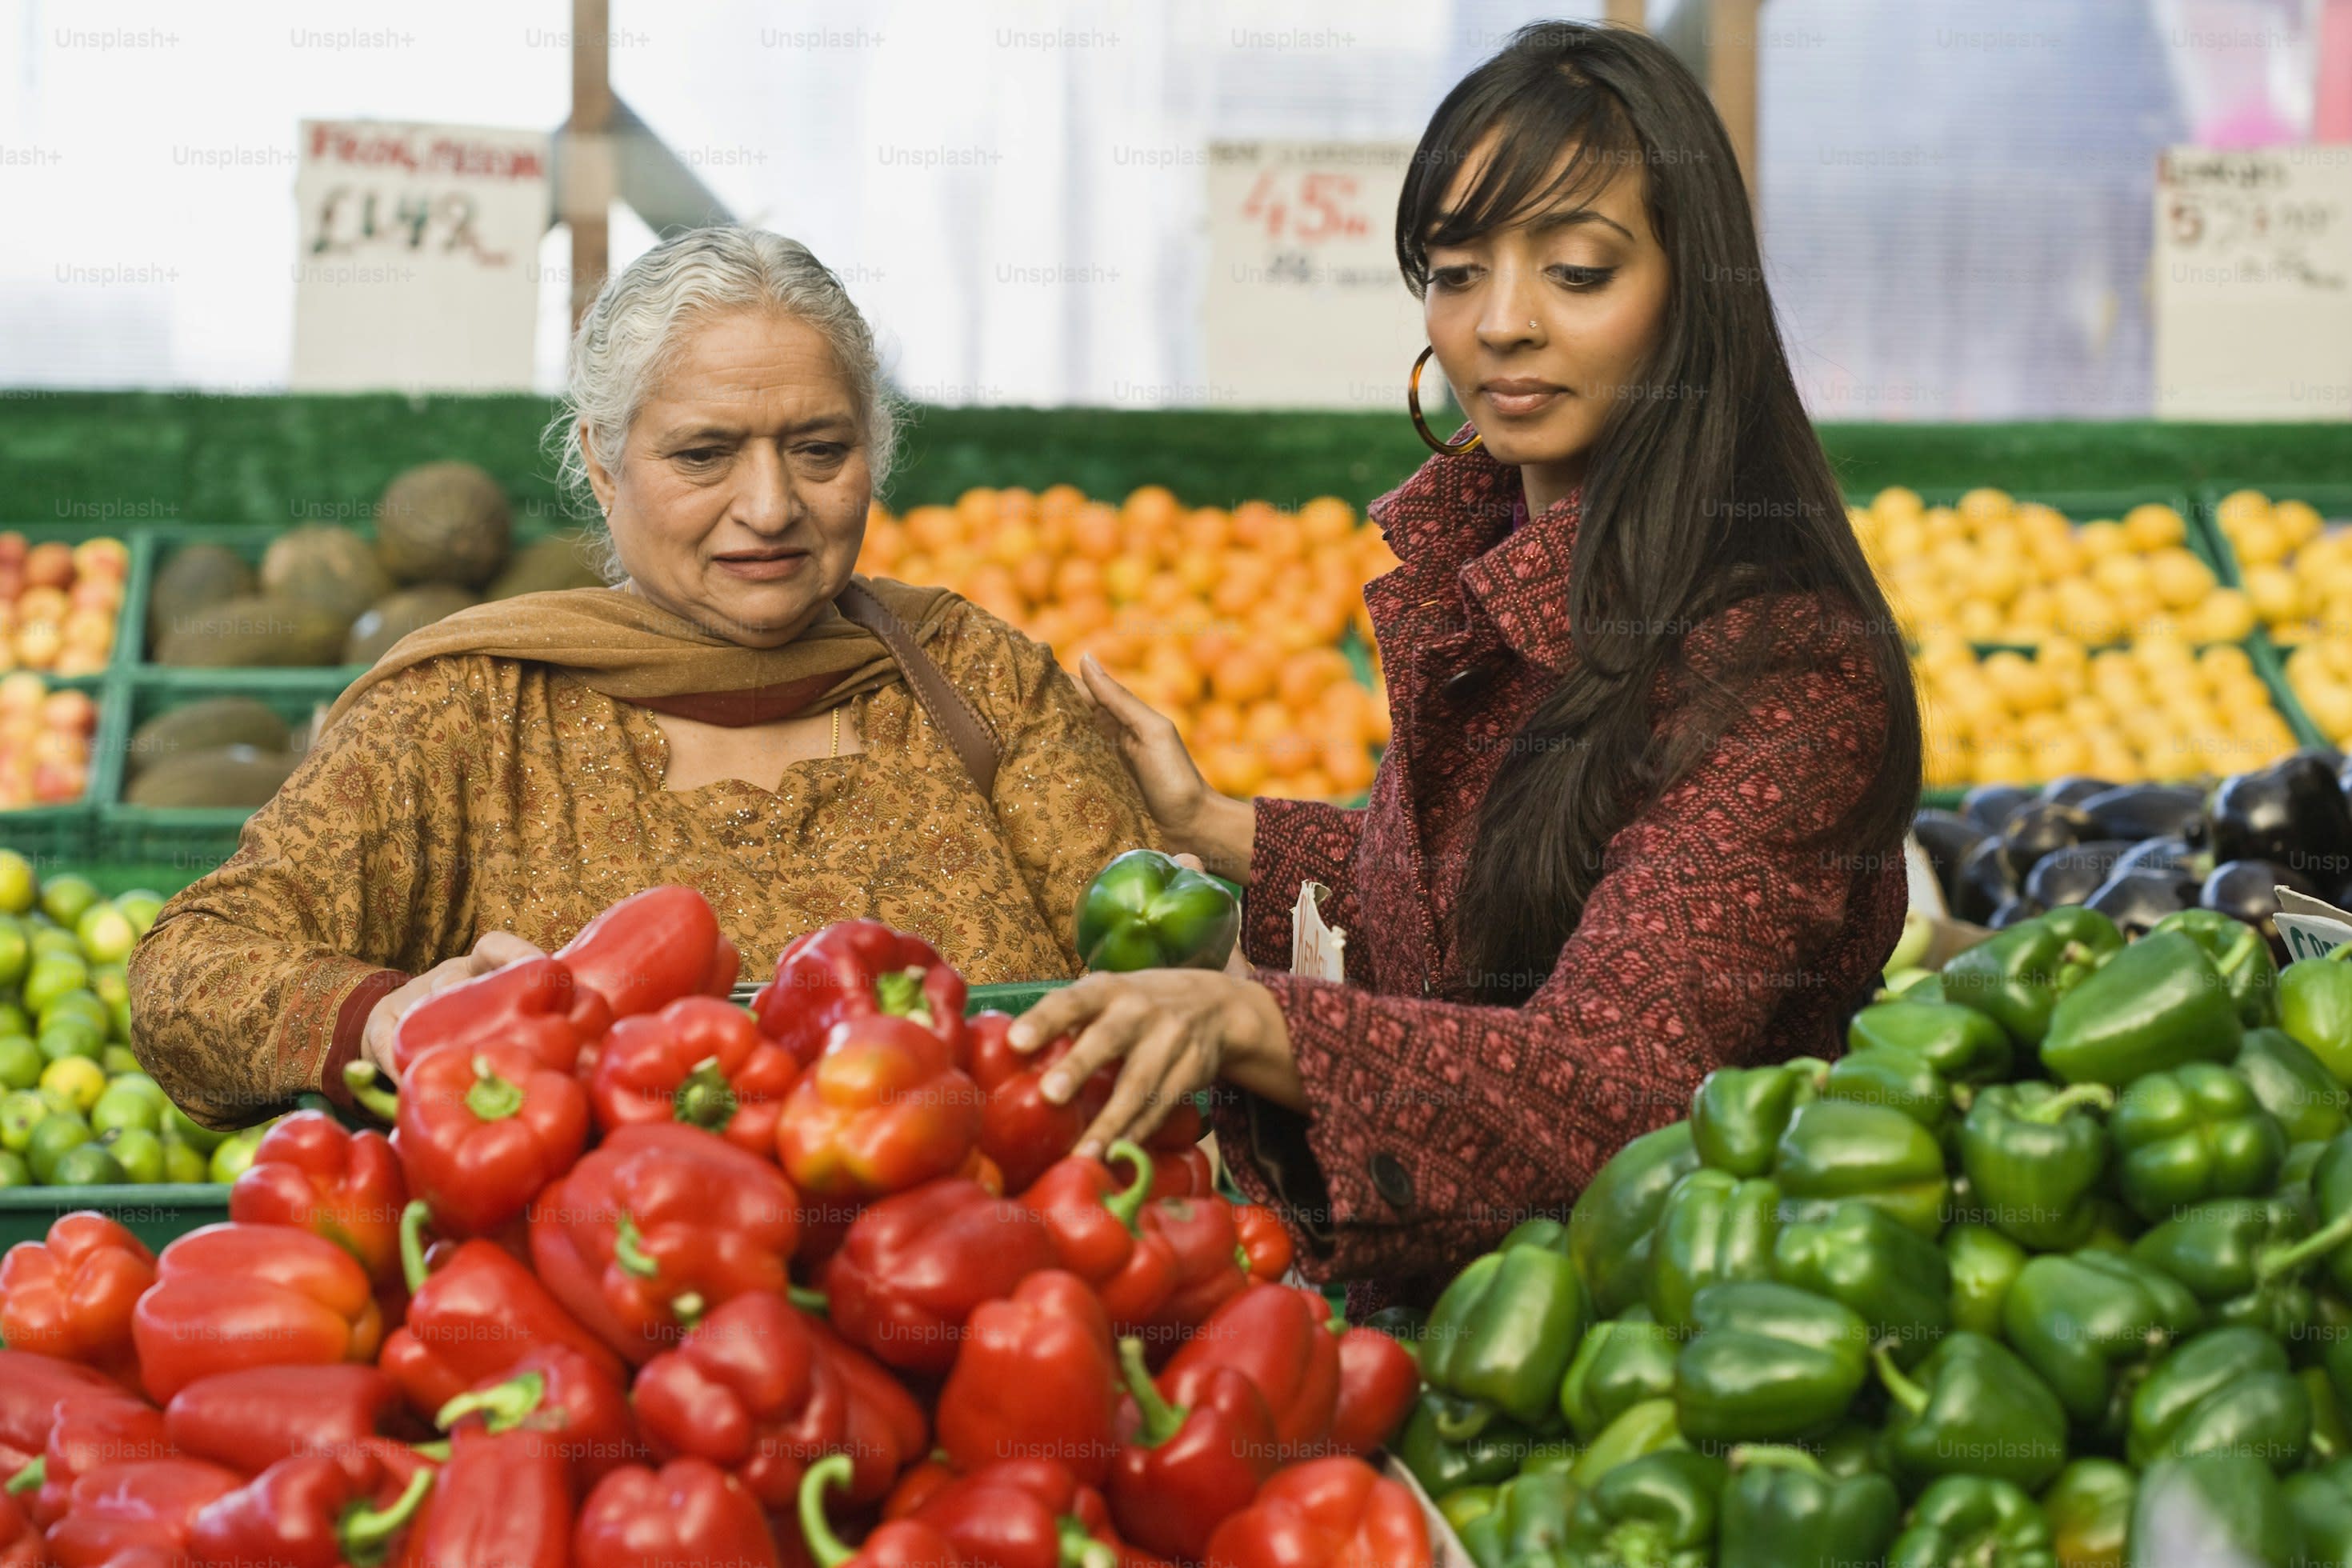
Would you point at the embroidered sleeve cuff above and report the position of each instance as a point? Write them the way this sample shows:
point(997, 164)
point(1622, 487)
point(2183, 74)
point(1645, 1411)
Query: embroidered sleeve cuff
point(368, 986)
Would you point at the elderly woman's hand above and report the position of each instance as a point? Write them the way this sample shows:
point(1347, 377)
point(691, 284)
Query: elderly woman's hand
point(496, 950)
point(1192, 816)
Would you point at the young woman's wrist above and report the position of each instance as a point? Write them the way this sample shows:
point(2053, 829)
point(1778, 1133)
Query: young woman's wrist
point(1258, 1054)
point(1222, 832)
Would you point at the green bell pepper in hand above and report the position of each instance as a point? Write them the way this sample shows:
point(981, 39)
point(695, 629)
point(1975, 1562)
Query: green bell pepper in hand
point(2088, 1321)
point(1622, 1362)
point(2193, 1133)
point(1862, 1257)
point(1781, 1507)
point(1500, 1339)
point(1899, 1078)
point(2240, 955)
point(1530, 1514)
point(1615, 1217)
point(2315, 998)
point(1973, 1409)
point(2228, 1389)
point(1973, 1522)
point(1640, 1429)
point(2032, 1161)
point(2237, 1255)
point(1984, 1263)
point(1493, 1457)
point(1962, 1044)
point(1836, 1149)
point(1145, 911)
point(2089, 1508)
point(2229, 1501)
point(1714, 1227)
point(2321, 1501)
point(2293, 1086)
point(2157, 1004)
point(1768, 1362)
point(2017, 976)
point(1738, 1114)
point(1659, 1511)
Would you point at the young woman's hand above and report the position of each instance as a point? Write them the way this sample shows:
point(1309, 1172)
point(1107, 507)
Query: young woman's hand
point(496, 950)
point(1193, 817)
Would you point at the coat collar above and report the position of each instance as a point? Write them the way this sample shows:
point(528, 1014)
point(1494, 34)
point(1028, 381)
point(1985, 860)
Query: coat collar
point(1452, 518)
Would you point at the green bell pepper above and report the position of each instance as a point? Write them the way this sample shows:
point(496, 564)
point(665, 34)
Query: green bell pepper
point(1610, 1230)
point(1984, 1263)
point(1890, 1276)
point(1738, 1114)
point(2032, 1161)
point(1768, 1362)
point(2240, 955)
point(1648, 1427)
point(1854, 1447)
point(1465, 1504)
point(2293, 1086)
point(1974, 1409)
point(1962, 1043)
point(2224, 1502)
point(2089, 1508)
point(2088, 1321)
point(2190, 1133)
point(1622, 1362)
point(1530, 1514)
point(1409, 1326)
point(1658, 1511)
point(2321, 1501)
point(2331, 1211)
point(1714, 1227)
point(1836, 1149)
point(1899, 1078)
point(2227, 1389)
point(2331, 1437)
point(2315, 1008)
point(2017, 977)
point(1491, 1457)
point(1145, 911)
point(1501, 1337)
point(1551, 1235)
point(2238, 1257)
point(1973, 1522)
point(2157, 1004)
point(1781, 1507)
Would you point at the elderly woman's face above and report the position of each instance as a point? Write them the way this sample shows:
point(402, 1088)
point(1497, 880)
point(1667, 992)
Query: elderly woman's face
point(740, 501)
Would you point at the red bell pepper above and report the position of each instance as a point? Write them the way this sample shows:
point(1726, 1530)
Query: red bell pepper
point(651, 949)
point(689, 1511)
point(313, 1511)
point(913, 1266)
point(1182, 1469)
point(71, 1295)
point(535, 1004)
point(1336, 1512)
point(473, 1320)
point(250, 1419)
point(700, 1060)
point(1181, 1172)
point(901, 1544)
point(30, 1387)
point(1037, 1377)
point(1279, 1337)
point(118, 1509)
point(1379, 1380)
point(88, 1434)
point(20, 1541)
point(558, 1398)
point(231, 1296)
point(857, 969)
point(881, 1111)
point(503, 1501)
point(1014, 1513)
point(1020, 1129)
point(657, 1227)
point(1206, 1263)
point(483, 1129)
point(312, 1172)
point(1094, 1224)
point(1265, 1245)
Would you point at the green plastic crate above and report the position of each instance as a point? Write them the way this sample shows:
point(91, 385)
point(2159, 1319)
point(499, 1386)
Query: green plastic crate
point(1016, 996)
point(156, 1215)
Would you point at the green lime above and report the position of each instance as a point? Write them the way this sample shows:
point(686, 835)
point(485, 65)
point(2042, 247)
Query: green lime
point(56, 1136)
point(138, 1151)
point(117, 1019)
point(121, 1107)
point(235, 1153)
point(106, 934)
point(83, 1004)
point(53, 975)
point(133, 1079)
point(110, 983)
point(13, 1171)
point(142, 905)
point(182, 1163)
point(14, 1019)
point(21, 1062)
point(203, 1139)
point(49, 939)
point(16, 949)
point(18, 885)
point(20, 1112)
point(55, 1098)
point(86, 1167)
point(65, 899)
point(72, 1036)
point(80, 1078)
point(119, 1060)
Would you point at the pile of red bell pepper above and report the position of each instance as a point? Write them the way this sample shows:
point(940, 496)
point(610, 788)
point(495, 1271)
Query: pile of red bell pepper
point(640, 1276)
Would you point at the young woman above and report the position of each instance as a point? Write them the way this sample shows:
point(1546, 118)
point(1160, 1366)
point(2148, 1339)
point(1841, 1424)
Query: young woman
point(1656, 738)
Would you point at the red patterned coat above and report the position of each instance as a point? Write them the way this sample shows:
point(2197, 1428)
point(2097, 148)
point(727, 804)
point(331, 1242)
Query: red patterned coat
point(1714, 935)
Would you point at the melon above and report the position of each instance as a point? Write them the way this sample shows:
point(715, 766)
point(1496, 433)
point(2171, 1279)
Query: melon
point(444, 522)
point(195, 576)
point(391, 618)
point(546, 565)
point(322, 564)
point(241, 776)
point(261, 629)
point(207, 724)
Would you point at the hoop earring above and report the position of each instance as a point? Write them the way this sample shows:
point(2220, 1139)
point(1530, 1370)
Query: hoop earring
point(1412, 406)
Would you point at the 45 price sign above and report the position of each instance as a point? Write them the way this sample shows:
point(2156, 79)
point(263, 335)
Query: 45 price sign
point(1308, 206)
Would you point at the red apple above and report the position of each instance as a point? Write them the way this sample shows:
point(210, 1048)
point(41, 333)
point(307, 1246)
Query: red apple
point(59, 784)
point(74, 712)
point(108, 558)
point(13, 548)
point(50, 565)
point(95, 593)
point(12, 581)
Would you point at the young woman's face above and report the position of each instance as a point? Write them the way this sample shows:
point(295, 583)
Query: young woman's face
point(1542, 325)
point(739, 500)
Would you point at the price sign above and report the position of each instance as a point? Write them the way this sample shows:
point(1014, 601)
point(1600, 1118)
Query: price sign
point(417, 256)
point(2252, 278)
point(1304, 306)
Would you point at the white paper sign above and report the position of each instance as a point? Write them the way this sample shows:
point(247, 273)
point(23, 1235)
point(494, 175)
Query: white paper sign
point(1304, 306)
point(1317, 950)
point(416, 262)
point(2311, 928)
point(2253, 284)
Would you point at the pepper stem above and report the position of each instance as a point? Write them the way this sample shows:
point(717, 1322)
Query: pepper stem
point(816, 1304)
point(1900, 1387)
point(30, 1478)
point(1161, 1420)
point(369, 1093)
point(689, 1309)
point(705, 1099)
point(1783, 1455)
point(1126, 1205)
point(2097, 1096)
point(1080, 1549)
point(629, 1248)
point(436, 1452)
point(2310, 1249)
point(366, 1533)
point(1459, 1420)
point(505, 1406)
point(823, 1545)
point(900, 995)
point(492, 1098)
point(413, 1220)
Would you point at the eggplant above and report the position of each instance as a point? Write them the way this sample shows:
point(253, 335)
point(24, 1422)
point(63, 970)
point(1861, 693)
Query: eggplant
point(2248, 891)
point(2012, 911)
point(2136, 900)
point(1990, 806)
point(2074, 789)
point(2157, 854)
point(2292, 812)
point(1980, 884)
point(2149, 811)
point(2037, 829)
point(2069, 875)
point(1947, 838)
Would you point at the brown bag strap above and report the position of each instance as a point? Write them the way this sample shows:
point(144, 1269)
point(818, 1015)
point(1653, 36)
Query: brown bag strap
point(948, 710)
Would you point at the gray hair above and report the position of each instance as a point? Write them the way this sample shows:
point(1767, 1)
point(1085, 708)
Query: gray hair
point(631, 335)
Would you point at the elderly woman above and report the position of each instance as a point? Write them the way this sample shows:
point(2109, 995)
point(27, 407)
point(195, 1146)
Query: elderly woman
point(740, 713)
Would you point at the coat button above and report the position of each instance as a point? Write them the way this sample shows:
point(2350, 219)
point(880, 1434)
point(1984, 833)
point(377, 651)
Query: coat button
point(1391, 1180)
point(1471, 679)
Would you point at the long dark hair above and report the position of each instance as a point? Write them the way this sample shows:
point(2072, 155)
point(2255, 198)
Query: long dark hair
point(1706, 485)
